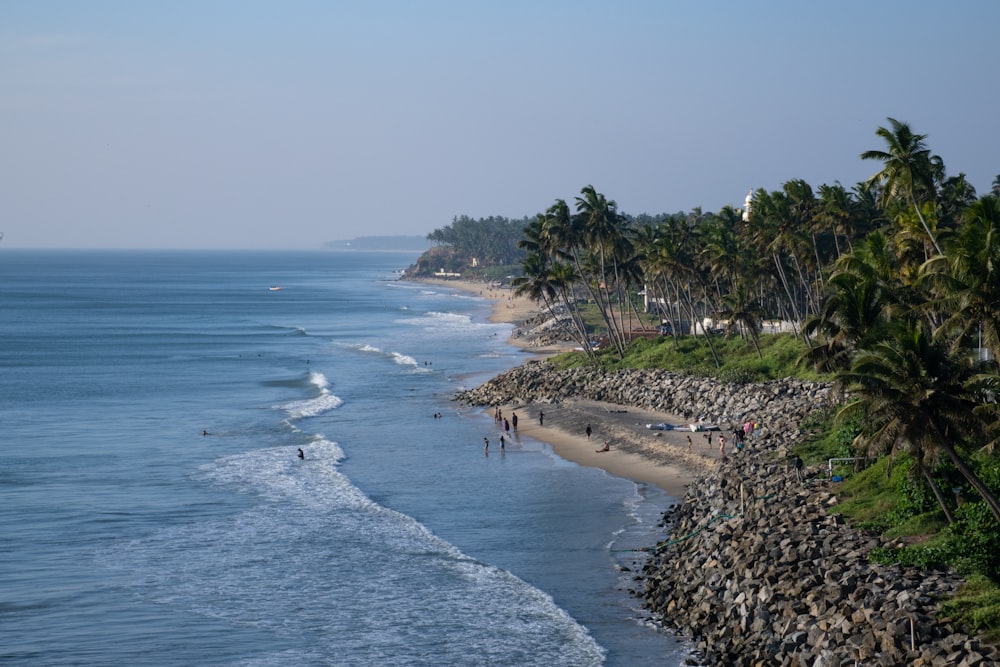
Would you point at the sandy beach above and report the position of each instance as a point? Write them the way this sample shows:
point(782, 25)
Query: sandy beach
point(661, 458)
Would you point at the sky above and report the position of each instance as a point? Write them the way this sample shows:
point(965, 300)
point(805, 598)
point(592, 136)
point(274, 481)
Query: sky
point(287, 124)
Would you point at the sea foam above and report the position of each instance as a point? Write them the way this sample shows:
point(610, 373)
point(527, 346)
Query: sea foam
point(313, 407)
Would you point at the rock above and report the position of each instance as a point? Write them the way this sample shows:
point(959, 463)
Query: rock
point(778, 582)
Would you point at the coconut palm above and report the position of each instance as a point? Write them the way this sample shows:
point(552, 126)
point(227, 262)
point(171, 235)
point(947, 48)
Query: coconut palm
point(744, 313)
point(604, 232)
point(913, 395)
point(835, 214)
point(778, 232)
point(967, 280)
point(907, 171)
point(551, 282)
point(863, 293)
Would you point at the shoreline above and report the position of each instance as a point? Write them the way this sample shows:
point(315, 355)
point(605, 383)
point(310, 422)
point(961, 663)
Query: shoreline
point(642, 455)
point(769, 576)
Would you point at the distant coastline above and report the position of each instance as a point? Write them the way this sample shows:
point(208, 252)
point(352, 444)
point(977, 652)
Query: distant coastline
point(381, 244)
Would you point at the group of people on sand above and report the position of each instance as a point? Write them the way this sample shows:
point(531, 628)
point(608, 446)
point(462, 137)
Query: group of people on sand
point(511, 423)
point(750, 429)
point(507, 423)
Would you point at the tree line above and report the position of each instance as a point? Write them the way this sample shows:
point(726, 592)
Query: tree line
point(893, 283)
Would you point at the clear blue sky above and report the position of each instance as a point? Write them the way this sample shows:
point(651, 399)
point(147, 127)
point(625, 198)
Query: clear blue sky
point(248, 124)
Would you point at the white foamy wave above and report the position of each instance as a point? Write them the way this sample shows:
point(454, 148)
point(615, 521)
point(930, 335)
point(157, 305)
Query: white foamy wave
point(404, 359)
point(397, 358)
point(436, 318)
point(313, 551)
point(313, 407)
point(318, 380)
point(455, 324)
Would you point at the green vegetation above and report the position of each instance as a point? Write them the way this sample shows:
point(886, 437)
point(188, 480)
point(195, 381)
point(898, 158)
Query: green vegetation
point(474, 248)
point(892, 288)
point(779, 358)
point(891, 498)
point(977, 605)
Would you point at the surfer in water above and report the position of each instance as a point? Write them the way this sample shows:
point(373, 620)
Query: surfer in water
point(302, 454)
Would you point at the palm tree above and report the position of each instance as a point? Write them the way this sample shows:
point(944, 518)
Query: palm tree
point(954, 195)
point(551, 282)
point(535, 239)
point(967, 280)
point(740, 307)
point(863, 294)
point(605, 236)
point(835, 214)
point(907, 169)
point(912, 395)
point(778, 232)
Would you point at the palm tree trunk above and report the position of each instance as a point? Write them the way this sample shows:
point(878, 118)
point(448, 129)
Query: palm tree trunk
point(596, 295)
point(991, 500)
point(578, 333)
point(791, 300)
point(936, 490)
point(819, 262)
point(788, 289)
point(756, 346)
point(913, 200)
point(811, 308)
point(708, 339)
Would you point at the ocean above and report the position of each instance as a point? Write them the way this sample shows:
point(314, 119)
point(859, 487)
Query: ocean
point(154, 510)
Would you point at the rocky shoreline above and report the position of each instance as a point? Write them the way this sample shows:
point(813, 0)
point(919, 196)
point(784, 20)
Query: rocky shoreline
point(755, 571)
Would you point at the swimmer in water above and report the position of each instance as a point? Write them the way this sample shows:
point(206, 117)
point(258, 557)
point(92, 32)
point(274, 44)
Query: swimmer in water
point(302, 454)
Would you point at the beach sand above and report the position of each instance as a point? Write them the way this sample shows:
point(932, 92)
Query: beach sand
point(661, 458)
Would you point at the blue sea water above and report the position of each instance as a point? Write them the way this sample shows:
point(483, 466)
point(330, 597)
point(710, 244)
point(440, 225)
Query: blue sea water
point(127, 537)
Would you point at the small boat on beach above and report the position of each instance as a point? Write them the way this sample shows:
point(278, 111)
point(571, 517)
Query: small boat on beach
point(697, 427)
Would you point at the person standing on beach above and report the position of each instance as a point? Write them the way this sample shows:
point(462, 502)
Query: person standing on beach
point(589, 431)
point(502, 443)
point(541, 418)
point(690, 443)
point(722, 445)
point(506, 425)
point(513, 420)
point(487, 443)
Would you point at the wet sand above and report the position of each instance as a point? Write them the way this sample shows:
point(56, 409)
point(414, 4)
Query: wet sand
point(645, 455)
